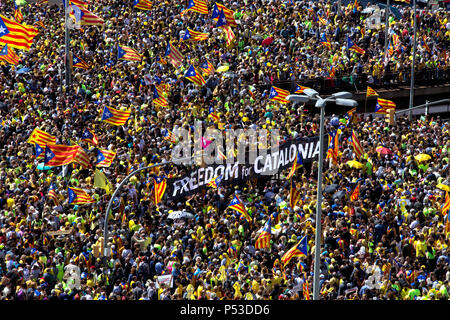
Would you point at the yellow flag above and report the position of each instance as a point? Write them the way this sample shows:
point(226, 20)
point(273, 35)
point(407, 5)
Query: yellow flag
point(100, 181)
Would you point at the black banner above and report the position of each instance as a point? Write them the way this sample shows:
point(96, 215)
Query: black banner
point(265, 163)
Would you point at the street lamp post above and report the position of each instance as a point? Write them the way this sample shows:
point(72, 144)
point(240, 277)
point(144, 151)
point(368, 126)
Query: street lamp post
point(343, 99)
point(411, 89)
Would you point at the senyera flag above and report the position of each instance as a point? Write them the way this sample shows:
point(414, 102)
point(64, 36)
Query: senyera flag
point(41, 137)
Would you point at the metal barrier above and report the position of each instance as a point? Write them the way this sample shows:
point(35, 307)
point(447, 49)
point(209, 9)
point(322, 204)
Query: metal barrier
point(426, 76)
point(426, 106)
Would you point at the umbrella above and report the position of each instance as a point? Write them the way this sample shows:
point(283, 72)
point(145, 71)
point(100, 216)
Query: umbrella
point(422, 157)
point(223, 68)
point(267, 41)
point(443, 187)
point(257, 37)
point(180, 214)
point(355, 164)
point(41, 166)
point(383, 150)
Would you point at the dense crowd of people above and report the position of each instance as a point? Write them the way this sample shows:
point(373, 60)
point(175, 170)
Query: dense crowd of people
point(391, 243)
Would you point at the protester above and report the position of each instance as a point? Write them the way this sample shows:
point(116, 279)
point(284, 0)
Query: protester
point(389, 243)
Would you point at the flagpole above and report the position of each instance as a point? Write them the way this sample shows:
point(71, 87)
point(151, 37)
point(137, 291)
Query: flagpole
point(386, 29)
point(411, 91)
point(318, 232)
point(365, 105)
point(67, 47)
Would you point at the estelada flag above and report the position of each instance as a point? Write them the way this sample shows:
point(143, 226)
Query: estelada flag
point(114, 116)
point(8, 55)
point(39, 151)
point(89, 136)
point(175, 56)
point(300, 249)
point(127, 53)
point(158, 96)
point(300, 89)
point(41, 137)
point(229, 14)
point(294, 195)
point(104, 158)
point(263, 240)
point(16, 35)
point(142, 4)
point(59, 155)
point(298, 162)
point(371, 92)
point(193, 75)
point(79, 63)
point(84, 16)
point(79, 196)
point(159, 188)
point(199, 6)
point(237, 205)
point(215, 182)
point(383, 106)
point(279, 95)
point(446, 206)
point(191, 35)
point(207, 68)
point(52, 193)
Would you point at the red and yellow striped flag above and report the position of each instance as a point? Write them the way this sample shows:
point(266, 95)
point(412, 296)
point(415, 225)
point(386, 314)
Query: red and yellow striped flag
point(159, 187)
point(446, 205)
point(41, 137)
point(355, 194)
point(18, 16)
point(8, 55)
point(371, 92)
point(199, 6)
point(82, 158)
point(114, 116)
point(16, 35)
point(229, 14)
point(79, 196)
point(279, 95)
point(104, 158)
point(383, 106)
point(59, 155)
